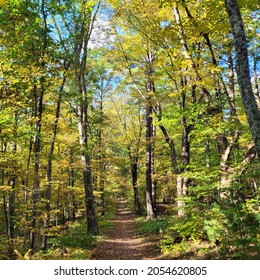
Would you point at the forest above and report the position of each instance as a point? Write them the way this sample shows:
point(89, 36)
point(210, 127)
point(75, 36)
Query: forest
point(129, 129)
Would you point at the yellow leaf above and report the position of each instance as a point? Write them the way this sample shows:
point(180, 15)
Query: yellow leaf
point(2, 3)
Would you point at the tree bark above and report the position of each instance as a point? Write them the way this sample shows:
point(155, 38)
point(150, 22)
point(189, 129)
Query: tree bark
point(148, 172)
point(243, 72)
point(37, 149)
point(38, 111)
point(71, 183)
point(12, 183)
point(181, 192)
point(154, 181)
point(101, 154)
point(134, 173)
point(83, 31)
point(101, 172)
point(171, 144)
point(226, 172)
point(182, 179)
point(150, 91)
point(134, 157)
point(26, 190)
point(86, 166)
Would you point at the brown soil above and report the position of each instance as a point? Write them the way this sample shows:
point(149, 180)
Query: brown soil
point(122, 242)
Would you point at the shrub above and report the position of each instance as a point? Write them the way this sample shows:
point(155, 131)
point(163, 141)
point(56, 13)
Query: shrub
point(181, 230)
point(215, 224)
point(77, 236)
point(149, 227)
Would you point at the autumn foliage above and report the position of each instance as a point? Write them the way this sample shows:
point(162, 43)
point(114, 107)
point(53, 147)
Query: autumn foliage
point(140, 99)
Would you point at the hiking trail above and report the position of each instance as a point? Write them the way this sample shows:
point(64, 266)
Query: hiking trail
point(122, 242)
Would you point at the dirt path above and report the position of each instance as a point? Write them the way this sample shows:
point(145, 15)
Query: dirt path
point(122, 243)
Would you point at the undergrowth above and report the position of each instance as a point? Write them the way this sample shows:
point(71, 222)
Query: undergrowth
point(70, 242)
point(229, 232)
point(150, 227)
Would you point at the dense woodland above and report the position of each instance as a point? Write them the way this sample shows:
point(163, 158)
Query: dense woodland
point(154, 101)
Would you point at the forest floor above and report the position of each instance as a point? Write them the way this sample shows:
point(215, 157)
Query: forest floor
point(122, 243)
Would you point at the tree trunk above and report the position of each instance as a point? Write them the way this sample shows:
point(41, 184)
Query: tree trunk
point(37, 149)
point(231, 78)
point(149, 185)
point(102, 195)
point(10, 211)
point(101, 174)
point(207, 153)
point(101, 154)
point(226, 174)
point(83, 31)
point(134, 173)
point(38, 111)
point(86, 166)
point(10, 202)
point(182, 179)
point(154, 181)
point(134, 158)
point(181, 192)
point(26, 191)
point(12, 183)
point(71, 184)
point(150, 89)
point(243, 73)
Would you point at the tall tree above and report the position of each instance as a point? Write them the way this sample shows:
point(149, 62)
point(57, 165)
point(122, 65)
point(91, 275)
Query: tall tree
point(243, 72)
point(38, 113)
point(84, 24)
